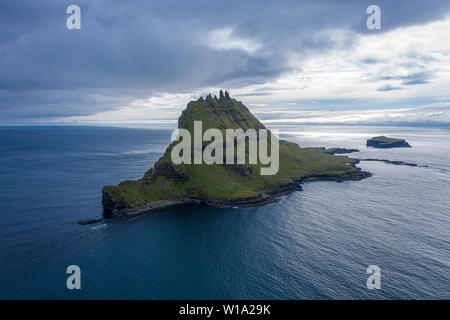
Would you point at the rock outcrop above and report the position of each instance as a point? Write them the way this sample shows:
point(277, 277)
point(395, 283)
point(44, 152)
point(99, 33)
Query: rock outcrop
point(385, 142)
point(334, 151)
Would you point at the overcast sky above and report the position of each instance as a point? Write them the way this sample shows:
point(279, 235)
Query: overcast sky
point(140, 62)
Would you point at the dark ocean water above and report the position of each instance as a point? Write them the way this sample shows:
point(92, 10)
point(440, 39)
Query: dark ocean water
point(314, 244)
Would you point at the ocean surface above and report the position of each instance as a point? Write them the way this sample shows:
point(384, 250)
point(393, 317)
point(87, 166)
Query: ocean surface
point(314, 244)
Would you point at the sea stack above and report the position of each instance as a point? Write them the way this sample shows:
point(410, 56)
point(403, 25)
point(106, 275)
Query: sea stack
point(385, 142)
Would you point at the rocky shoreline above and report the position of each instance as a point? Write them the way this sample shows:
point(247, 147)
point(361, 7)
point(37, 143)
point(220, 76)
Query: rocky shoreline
point(266, 197)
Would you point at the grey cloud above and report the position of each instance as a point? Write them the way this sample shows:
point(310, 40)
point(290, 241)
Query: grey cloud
point(135, 49)
point(396, 14)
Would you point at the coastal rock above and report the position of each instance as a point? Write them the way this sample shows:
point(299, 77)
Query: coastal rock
point(334, 151)
point(385, 142)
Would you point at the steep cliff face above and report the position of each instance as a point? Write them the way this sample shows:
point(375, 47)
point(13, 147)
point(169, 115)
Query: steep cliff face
point(221, 184)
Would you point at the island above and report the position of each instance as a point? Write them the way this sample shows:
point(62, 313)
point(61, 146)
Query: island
point(334, 151)
point(385, 142)
point(237, 185)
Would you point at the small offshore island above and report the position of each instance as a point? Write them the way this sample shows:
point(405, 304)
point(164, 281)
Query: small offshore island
point(385, 142)
point(239, 185)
